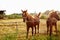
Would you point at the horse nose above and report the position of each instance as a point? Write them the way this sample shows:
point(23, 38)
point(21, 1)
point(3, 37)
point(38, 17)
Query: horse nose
point(23, 20)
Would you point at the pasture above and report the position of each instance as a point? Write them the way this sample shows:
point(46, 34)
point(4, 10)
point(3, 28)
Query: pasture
point(15, 29)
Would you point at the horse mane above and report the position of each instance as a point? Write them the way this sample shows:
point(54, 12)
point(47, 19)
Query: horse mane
point(29, 17)
point(33, 18)
point(52, 14)
point(49, 15)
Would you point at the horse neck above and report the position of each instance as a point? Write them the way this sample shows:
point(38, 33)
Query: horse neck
point(29, 18)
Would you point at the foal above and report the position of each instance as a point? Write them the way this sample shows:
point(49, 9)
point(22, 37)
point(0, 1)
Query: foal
point(52, 21)
point(30, 21)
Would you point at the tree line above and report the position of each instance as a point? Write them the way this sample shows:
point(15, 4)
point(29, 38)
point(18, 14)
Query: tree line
point(19, 15)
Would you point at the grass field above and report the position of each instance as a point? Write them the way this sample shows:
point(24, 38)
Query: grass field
point(15, 29)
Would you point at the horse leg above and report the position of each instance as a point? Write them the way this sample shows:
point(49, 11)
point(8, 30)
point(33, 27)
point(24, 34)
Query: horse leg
point(47, 29)
point(32, 31)
point(38, 28)
point(56, 28)
point(48, 26)
point(35, 29)
point(50, 30)
point(27, 31)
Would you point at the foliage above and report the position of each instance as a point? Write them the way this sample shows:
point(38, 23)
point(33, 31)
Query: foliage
point(13, 16)
point(43, 17)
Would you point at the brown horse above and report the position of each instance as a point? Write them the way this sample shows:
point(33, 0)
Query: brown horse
point(52, 21)
point(30, 21)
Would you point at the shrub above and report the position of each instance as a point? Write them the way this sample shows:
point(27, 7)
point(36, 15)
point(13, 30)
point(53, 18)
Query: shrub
point(43, 17)
point(14, 16)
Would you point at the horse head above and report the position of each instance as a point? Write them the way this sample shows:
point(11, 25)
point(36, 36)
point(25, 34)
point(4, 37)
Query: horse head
point(24, 14)
point(55, 15)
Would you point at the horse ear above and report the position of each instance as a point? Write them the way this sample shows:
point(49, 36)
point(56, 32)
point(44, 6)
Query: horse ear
point(26, 10)
point(39, 13)
point(22, 10)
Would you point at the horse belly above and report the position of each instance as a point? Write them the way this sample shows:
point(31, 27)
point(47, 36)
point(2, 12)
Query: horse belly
point(30, 24)
point(36, 23)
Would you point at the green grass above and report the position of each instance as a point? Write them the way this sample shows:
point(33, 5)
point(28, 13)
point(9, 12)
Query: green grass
point(10, 36)
point(11, 33)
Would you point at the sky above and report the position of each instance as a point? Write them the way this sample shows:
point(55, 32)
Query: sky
point(15, 6)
